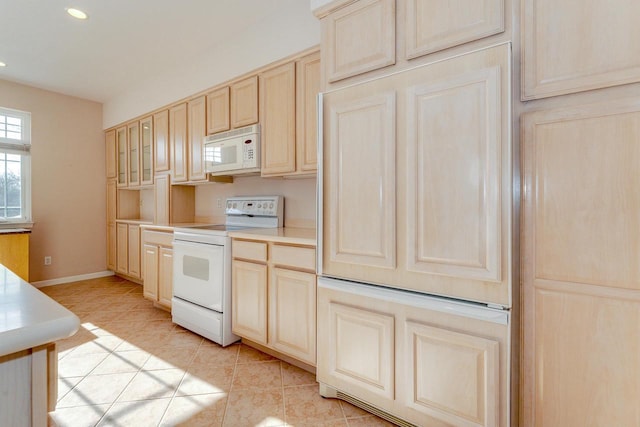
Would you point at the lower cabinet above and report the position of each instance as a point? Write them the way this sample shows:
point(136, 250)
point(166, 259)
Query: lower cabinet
point(423, 360)
point(274, 297)
point(128, 250)
point(158, 267)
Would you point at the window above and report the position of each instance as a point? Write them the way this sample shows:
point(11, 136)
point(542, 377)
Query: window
point(15, 162)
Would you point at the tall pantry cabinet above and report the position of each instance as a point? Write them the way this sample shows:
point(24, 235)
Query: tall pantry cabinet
point(581, 213)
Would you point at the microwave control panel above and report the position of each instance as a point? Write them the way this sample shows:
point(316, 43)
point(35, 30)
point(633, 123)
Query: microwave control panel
point(248, 151)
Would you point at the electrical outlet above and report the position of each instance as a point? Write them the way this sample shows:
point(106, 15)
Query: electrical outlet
point(47, 260)
point(219, 203)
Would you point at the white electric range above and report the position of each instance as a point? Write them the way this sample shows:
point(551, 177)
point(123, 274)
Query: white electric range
point(202, 266)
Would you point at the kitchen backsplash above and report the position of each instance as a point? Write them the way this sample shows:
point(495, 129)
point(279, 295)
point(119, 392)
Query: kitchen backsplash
point(299, 195)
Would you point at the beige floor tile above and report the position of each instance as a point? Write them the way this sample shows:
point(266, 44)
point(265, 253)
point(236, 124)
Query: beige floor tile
point(370, 421)
point(351, 411)
point(66, 384)
point(294, 376)
point(322, 423)
point(80, 365)
point(171, 357)
point(152, 385)
point(79, 416)
point(206, 379)
point(143, 340)
point(126, 361)
point(105, 344)
point(96, 390)
point(305, 405)
point(259, 375)
point(180, 339)
point(254, 408)
point(216, 355)
point(140, 413)
point(249, 354)
point(206, 410)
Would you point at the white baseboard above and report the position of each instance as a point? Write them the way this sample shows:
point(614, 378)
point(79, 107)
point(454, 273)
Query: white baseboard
point(70, 279)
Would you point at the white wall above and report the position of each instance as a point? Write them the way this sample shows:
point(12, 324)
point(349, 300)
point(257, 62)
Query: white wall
point(276, 37)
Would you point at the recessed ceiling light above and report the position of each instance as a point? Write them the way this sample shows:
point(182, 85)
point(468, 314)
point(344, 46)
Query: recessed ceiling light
point(77, 13)
point(2, 64)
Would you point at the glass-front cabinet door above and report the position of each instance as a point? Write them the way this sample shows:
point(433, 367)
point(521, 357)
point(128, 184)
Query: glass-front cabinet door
point(121, 143)
point(133, 130)
point(146, 151)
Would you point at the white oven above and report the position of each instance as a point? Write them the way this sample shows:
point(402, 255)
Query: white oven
point(202, 266)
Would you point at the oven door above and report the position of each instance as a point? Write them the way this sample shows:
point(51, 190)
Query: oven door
point(199, 273)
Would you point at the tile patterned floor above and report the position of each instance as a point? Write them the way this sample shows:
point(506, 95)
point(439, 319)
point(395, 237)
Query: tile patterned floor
point(129, 365)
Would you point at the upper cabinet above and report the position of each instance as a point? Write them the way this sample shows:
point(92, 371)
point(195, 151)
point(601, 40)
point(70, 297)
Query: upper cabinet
point(244, 102)
point(161, 141)
point(178, 142)
point(288, 117)
point(360, 38)
point(197, 120)
point(367, 35)
point(146, 151)
point(133, 144)
point(122, 155)
point(218, 113)
point(578, 45)
point(111, 153)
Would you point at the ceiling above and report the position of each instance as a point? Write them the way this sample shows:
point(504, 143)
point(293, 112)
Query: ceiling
point(120, 43)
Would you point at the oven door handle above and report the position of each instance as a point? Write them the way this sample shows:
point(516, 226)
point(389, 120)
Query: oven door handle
point(195, 245)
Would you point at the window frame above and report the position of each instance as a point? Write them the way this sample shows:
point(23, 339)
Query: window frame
point(20, 147)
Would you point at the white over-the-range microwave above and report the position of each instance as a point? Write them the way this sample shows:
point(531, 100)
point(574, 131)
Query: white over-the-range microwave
point(234, 152)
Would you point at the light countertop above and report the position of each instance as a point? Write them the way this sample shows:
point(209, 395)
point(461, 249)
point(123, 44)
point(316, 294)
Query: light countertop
point(14, 231)
point(29, 318)
point(294, 236)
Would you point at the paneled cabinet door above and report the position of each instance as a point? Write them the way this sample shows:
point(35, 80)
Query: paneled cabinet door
point(178, 142)
point(162, 199)
point(451, 193)
point(244, 102)
point(360, 37)
point(277, 117)
point(249, 302)
point(307, 89)
point(146, 151)
point(134, 251)
point(122, 155)
point(577, 45)
point(122, 254)
point(292, 313)
point(111, 153)
point(161, 141)
point(133, 144)
point(111, 246)
point(197, 112)
point(581, 240)
point(151, 272)
point(165, 276)
point(218, 111)
point(431, 25)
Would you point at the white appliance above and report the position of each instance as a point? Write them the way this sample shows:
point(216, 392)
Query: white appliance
point(202, 266)
point(234, 152)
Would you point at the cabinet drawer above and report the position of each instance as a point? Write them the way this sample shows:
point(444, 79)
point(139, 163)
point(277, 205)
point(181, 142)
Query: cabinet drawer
point(157, 238)
point(249, 250)
point(294, 256)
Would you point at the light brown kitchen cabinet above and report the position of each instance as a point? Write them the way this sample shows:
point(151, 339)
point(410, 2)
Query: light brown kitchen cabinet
point(158, 267)
point(172, 203)
point(416, 234)
point(578, 45)
point(111, 154)
point(111, 223)
point(581, 240)
point(426, 364)
point(359, 37)
point(288, 115)
point(277, 119)
point(122, 156)
point(161, 147)
point(133, 149)
point(244, 102)
point(430, 26)
point(274, 297)
point(197, 122)
point(128, 251)
point(178, 142)
point(307, 89)
point(218, 111)
point(146, 151)
point(122, 251)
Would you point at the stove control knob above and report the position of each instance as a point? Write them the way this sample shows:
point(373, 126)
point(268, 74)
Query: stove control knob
point(271, 205)
point(259, 205)
point(235, 205)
